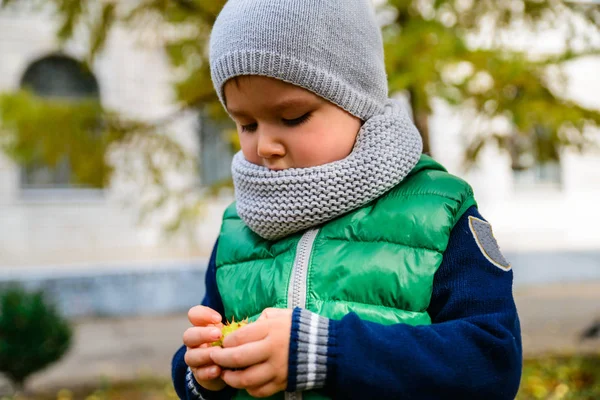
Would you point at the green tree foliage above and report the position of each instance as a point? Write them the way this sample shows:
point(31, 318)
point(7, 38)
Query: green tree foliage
point(41, 124)
point(32, 334)
point(425, 41)
point(49, 130)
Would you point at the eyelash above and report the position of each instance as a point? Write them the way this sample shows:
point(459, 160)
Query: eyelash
point(287, 122)
point(297, 121)
point(249, 127)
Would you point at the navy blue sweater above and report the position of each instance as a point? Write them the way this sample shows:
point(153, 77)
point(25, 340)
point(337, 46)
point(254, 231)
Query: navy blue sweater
point(471, 350)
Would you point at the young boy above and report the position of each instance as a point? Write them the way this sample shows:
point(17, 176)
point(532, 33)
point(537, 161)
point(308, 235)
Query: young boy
point(367, 267)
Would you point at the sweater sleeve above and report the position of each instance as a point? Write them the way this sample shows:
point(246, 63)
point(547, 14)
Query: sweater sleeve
point(472, 349)
point(184, 382)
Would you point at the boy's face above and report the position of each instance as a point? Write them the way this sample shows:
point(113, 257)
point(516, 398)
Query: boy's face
point(282, 126)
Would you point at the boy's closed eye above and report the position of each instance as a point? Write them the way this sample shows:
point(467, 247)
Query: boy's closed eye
point(297, 121)
point(287, 122)
point(249, 127)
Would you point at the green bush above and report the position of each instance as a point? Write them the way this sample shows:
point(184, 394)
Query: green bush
point(32, 334)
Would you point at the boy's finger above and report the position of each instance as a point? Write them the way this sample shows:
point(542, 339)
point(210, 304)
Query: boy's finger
point(199, 357)
point(241, 356)
point(207, 373)
point(256, 375)
point(266, 390)
point(201, 315)
point(273, 313)
point(247, 334)
point(196, 336)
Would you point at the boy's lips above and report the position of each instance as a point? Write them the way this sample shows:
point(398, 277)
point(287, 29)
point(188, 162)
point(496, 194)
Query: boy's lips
point(275, 167)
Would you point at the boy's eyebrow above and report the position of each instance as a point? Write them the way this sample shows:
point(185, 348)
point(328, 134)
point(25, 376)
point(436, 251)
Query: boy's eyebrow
point(235, 112)
point(284, 104)
point(291, 102)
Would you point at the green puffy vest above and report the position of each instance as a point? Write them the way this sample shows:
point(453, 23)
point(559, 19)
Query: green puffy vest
point(378, 261)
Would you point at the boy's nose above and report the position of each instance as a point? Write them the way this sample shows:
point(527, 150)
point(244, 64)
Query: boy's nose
point(268, 146)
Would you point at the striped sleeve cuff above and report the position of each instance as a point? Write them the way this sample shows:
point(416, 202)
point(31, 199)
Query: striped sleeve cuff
point(197, 392)
point(192, 385)
point(310, 351)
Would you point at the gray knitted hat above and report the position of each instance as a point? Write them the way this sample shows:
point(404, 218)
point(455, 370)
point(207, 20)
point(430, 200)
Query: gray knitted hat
point(330, 47)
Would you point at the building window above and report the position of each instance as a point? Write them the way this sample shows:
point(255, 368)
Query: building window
point(216, 151)
point(536, 160)
point(61, 77)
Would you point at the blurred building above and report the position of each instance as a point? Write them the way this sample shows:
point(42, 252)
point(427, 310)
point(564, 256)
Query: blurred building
point(83, 245)
point(46, 219)
point(545, 217)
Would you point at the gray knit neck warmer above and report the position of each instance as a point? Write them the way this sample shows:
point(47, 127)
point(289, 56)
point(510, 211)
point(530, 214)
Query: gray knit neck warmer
point(275, 204)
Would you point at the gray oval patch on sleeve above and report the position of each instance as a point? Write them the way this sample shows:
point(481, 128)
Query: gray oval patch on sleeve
point(484, 237)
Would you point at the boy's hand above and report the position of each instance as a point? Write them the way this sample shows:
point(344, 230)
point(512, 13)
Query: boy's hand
point(205, 330)
point(262, 349)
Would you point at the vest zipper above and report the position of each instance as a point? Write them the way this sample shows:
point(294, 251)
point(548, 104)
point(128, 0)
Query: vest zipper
point(297, 285)
point(297, 288)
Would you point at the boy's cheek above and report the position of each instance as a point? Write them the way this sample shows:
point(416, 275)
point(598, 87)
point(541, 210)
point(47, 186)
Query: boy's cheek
point(332, 146)
point(248, 147)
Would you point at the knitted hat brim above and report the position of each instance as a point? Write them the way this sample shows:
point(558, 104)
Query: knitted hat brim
point(296, 72)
